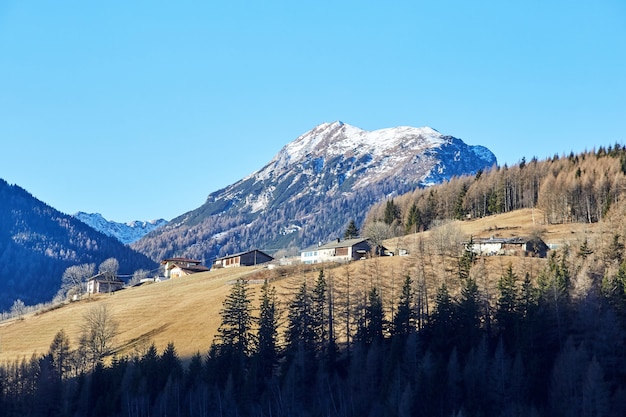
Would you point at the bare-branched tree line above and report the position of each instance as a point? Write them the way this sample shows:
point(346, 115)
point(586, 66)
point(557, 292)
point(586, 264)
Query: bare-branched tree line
point(575, 188)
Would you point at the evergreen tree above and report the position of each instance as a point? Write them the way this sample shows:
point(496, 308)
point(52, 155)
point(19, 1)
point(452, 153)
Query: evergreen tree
point(299, 334)
point(528, 297)
point(615, 251)
point(459, 211)
point(374, 316)
point(404, 318)
point(467, 260)
point(60, 353)
point(507, 305)
point(170, 365)
point(551, 316)
point(234, 333)
point(319, 303)
point(584, 250)
point(266, 350)
point(614, 288)
point(392, 212)
point(441, 321)
point(469, 314)
point(193, 375)
point(414, 219)
point(301, 365)
point(351, 231)
point(554, 282)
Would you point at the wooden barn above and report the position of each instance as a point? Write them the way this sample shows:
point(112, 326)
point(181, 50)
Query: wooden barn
point(249, 258)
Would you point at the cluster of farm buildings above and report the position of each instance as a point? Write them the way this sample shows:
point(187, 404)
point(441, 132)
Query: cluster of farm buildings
point(335, 251)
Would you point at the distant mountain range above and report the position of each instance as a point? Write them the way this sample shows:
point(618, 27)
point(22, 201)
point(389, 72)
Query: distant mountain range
point(37, 244)
point(124, 232)
point(312, 188)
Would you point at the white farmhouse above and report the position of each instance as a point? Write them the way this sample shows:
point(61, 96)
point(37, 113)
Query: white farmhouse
point(337, 251)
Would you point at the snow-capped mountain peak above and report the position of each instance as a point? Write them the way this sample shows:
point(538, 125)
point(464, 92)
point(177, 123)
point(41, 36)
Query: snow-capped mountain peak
point(314, 185)
point(340, 138)
point(124, 232)
point(417, 154)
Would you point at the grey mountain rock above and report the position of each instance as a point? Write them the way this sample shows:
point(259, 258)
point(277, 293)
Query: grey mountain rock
point(313, 187)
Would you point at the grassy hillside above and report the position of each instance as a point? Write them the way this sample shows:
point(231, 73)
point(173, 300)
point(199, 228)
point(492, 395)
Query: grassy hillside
point(186, 311)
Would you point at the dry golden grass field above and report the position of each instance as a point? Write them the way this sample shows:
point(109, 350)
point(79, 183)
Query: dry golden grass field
point(186, 310)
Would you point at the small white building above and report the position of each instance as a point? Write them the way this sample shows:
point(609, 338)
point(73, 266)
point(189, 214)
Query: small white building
point(337, 251)
point(100, 283)
point(517, 246)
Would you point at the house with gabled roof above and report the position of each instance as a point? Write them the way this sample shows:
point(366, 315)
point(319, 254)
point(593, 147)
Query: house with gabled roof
point(337, 251)
point(179, 267)
point(249, 258)
point(102, 283)
point(516, 246)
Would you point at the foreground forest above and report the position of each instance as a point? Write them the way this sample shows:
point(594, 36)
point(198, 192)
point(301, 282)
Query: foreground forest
point(548, 346)
point(545, 339)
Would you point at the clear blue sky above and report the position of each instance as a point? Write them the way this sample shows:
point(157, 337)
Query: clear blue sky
point(140, 109)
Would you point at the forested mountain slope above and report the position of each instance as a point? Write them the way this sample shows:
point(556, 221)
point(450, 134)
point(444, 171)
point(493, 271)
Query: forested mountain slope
point(575, 188)
point(37, 244)
point(438, 332)
point(312, 188)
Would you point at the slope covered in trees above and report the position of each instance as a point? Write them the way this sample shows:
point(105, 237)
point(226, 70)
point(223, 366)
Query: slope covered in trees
point(447, 334)
point(575, 188)
point(37, 244)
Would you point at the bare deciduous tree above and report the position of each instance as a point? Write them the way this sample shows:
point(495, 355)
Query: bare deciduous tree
point(109, 268)
point(447, 239)
point(18, 309)
point(138, 275)
point(75, 277)
point(377, 232)
point(99, 329)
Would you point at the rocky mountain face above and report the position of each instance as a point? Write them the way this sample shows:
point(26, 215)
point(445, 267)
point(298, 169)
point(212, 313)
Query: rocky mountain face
point(124, 232)
point(312, 188)
point(37, 244)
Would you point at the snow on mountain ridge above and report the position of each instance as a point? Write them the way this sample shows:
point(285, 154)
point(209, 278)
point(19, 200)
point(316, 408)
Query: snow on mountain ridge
point(338, 138)
point(315, 185)
point(346, 138)
point(343, 151)
point(124, 232)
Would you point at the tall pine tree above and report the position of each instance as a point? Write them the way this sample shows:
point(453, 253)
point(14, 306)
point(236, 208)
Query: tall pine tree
point(234, 333)
point(404, 318)
point(266, 349)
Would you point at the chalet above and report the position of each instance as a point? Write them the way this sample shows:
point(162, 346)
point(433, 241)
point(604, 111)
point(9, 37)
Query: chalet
point(249, 258)
point(516, 246)
point(337, 251)
point(103, 284)
point(178, 267)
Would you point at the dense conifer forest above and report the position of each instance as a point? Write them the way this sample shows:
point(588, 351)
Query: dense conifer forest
point(547, 342)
